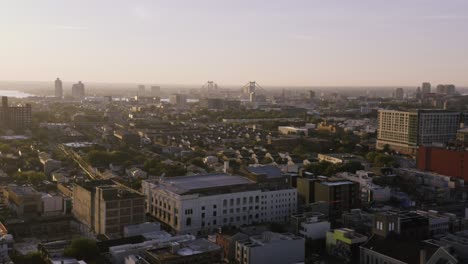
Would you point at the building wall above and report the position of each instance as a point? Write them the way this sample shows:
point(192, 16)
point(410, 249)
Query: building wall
point(274, 252)
point(193, 213)
point(83, 205)
point(339, 197)
point(368, 256)
point(315, 230)
point(305, 189)
point(443, 161)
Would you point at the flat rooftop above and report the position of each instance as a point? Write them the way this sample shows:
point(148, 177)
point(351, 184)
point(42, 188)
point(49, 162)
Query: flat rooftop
point(185, 184)
point(269, 170)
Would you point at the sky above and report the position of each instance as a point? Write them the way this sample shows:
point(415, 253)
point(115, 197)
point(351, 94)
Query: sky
point(273, 42)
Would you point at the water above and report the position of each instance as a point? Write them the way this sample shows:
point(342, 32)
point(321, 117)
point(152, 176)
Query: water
point(13, 93)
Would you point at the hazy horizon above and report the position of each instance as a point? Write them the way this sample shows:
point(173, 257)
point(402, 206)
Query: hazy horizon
point(301, 43)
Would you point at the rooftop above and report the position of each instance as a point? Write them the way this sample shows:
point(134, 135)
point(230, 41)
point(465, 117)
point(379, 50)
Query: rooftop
point(23, 190)
point(186, 184)
point(270, 171)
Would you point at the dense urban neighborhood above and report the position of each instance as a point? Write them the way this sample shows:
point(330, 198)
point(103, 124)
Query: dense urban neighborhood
point(249, 175)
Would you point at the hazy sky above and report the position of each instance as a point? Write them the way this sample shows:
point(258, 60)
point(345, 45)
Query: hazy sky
point(275, 42)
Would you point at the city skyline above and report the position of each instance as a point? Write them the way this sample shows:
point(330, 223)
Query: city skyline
point(300, 43)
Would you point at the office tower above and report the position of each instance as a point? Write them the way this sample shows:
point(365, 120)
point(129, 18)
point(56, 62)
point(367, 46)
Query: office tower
point(78, 90)
point(311, 94)
point(404, 131)
point(445, 89)
point(155, 90)
point(58, 88)
point(141, 89)
point(418, 94)
point(399, 93)
point(14, 117)
point(426, 88)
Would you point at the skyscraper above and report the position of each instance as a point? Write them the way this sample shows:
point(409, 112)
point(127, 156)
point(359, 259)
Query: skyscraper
point(426, 88)
point(14, 117)
point(141, 89)
point(155, 90)
point(78, 90)
point(58, 88)
point(399, 93)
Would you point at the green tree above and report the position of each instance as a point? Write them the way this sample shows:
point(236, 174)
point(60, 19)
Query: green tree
point(32, 257)
point(32, 177)
point(82, 249)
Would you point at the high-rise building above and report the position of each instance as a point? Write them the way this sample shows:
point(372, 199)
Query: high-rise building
point(58, 88)
point(178, 99)
point(445, 89)
point(78, 90)
point(404, 131)
point(14, 117)
point(141, 89)
point(426, 88)
point(399, 93)
point(155, 90)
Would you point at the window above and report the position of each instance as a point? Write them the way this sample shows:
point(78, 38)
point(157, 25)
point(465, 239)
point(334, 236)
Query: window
point(203, 208)
point(214, 213)
point(188, 221)
point(203, 215)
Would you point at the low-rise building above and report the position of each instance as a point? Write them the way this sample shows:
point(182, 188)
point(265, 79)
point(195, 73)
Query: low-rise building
point(314, 227)
point(272, 248)
point(205, 202)
point(107, 208)
point(25, 201)
point(344, 243)
point(199, 251)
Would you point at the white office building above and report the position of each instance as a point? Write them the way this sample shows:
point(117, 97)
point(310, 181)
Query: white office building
point(191, 204)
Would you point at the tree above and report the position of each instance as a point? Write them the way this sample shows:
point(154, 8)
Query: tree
point(82, 249)
point(32, 177)
point(32, 257)
point(351, 166)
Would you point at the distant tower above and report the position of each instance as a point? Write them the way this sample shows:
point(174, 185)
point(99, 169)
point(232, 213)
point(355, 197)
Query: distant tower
point(141, 89)
point(155, 90)
point(426, 88)
point(311, 94)
point(418, 93)
point(4, 101)
point(252, 97)
point(58, 88)
point(399, 94)
point(78, 90)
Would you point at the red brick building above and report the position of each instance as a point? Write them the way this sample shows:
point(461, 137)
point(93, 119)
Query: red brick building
point(450, 162)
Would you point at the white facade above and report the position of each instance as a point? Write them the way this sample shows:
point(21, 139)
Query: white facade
point(313, 228)
point(198, 211)
point(271, 248)
point(52, 204)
